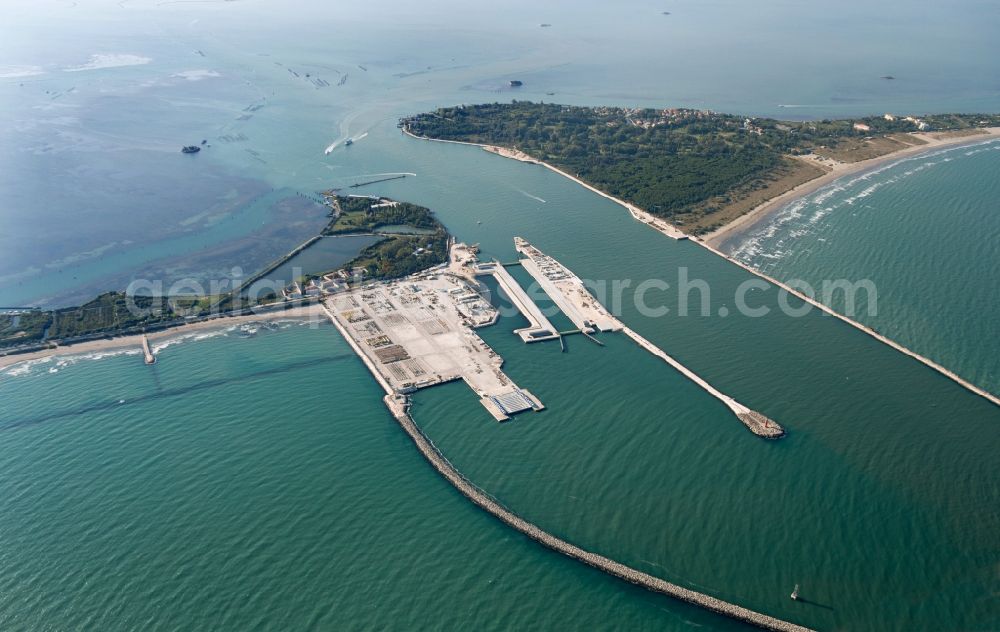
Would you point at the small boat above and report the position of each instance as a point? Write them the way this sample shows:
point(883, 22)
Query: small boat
point(795, 593)
point(348, 142)
point(479, 222)
point(514, 83)
point(190, 149)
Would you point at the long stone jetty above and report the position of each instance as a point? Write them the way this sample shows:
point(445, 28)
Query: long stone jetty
point(147, 353)
point(671, 231)
point(756, 422)
point(829, 311)
point(398, 406)
point(571, 295)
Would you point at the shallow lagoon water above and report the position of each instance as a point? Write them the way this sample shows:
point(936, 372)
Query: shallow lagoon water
point(91, 153)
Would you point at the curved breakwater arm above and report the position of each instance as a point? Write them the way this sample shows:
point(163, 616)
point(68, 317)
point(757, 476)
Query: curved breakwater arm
point(398, 407)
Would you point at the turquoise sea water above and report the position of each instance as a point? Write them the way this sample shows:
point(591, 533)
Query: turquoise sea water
point(924, 231)
point(880, 500)
point(260, 484)
point(158, 514)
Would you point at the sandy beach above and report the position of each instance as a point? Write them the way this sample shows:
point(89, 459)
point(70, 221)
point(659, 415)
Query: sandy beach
point(637, 213)
point(933, 141)
point(135, 341)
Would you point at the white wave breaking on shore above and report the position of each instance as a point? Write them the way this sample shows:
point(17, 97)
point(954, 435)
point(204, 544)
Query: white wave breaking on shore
point(59, 362)
point(55, 363)
point(190, 337)
point(773, 240)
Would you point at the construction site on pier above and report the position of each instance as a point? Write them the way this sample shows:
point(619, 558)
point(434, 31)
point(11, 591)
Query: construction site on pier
point(419, 331)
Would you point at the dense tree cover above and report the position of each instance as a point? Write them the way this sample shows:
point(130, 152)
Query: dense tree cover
point(661, 163)
point(664, 161)
point(115, 312)
point(23, 327)
point(399, 256)
point(363, 214)
point(109, 312)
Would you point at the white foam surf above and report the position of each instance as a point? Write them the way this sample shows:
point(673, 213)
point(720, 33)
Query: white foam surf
point(110, 60)
point(775, 239)
point(533, 197)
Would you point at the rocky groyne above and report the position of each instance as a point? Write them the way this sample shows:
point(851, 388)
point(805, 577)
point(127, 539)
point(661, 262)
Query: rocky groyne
point(398, 405)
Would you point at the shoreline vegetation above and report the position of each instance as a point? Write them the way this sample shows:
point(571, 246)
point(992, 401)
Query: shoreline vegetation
point(422, 243)
point(695, 171)
point(311, 312)
point(921, 143)
point(417, 240)
point(931, 141)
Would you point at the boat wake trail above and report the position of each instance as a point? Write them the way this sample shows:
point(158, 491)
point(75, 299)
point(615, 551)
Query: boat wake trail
point(345, 141)
point(533, 197)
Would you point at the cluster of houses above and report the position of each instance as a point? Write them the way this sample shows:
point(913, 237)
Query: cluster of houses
point(756, 129)
point(327, 284)
point(640, 117)
point(919, 124)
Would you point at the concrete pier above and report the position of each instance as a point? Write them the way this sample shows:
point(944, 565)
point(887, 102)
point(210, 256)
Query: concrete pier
point(756, 422)
point(539, 327)
point(569, 293)
point(566, 290)
point(148, 356)
point(416, 332)
point(398, 406)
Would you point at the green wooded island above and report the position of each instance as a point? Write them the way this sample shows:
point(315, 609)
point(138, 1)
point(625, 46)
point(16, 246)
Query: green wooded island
point(697, 169)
